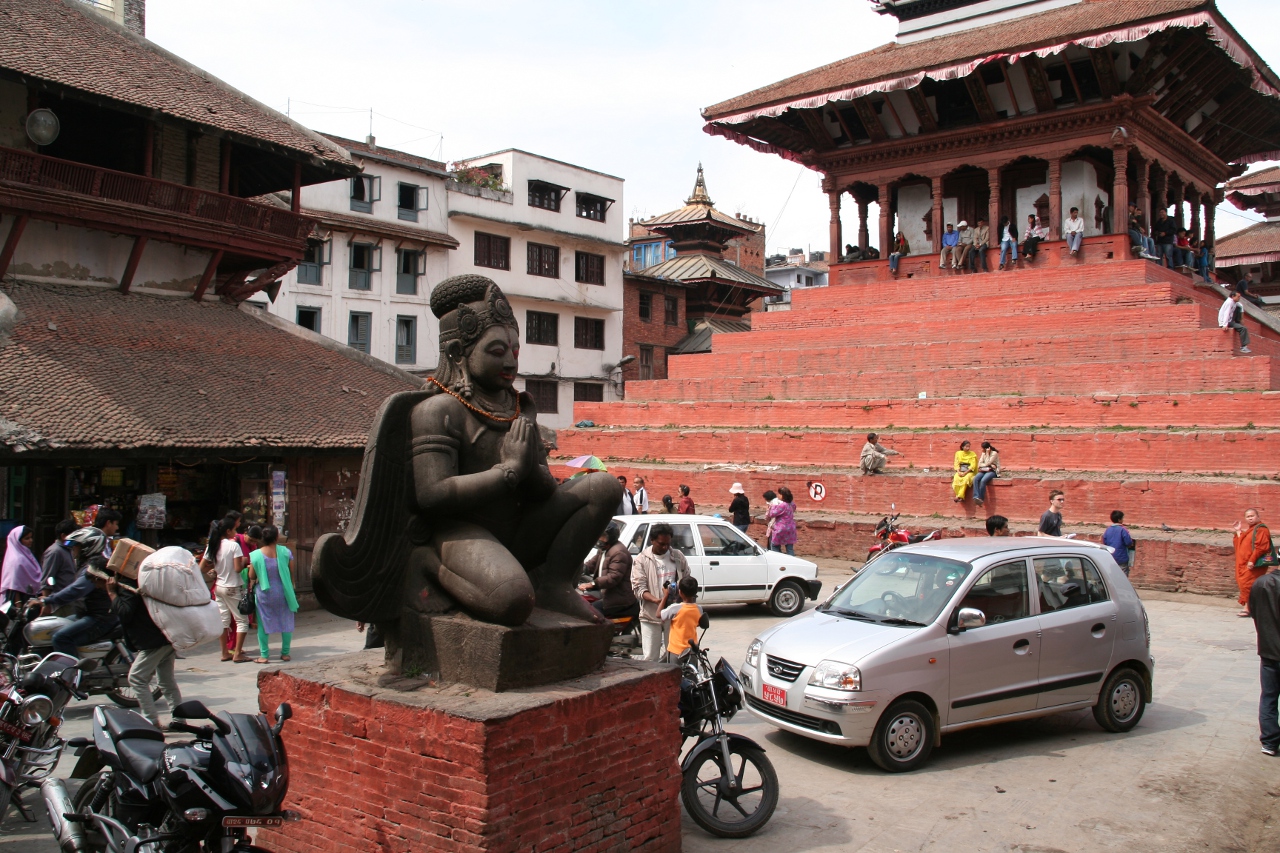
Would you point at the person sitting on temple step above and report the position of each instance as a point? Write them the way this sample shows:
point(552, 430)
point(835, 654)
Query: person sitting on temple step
point(1008, 242)
point(981, 236)
point(966, 245)
point(950, 242)
point(965, 468)
point(1032, 237)
point(1073, 231)
point(874, 455)
point(900, 248)
point(851, 254)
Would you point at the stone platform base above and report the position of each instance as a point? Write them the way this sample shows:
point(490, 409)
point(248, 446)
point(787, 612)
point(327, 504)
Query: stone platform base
point(391, 765)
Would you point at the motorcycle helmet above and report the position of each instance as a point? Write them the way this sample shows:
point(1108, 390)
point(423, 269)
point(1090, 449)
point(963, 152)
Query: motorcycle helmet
point(91, 540)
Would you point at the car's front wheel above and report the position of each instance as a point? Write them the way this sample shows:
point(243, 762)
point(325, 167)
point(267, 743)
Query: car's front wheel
point(1121, 702)
point(903, 738)
point(787, 599)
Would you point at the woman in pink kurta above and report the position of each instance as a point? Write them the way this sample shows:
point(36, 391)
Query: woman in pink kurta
point(783, 516)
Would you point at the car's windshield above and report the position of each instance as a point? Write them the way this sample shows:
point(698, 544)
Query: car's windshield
point(901, 588)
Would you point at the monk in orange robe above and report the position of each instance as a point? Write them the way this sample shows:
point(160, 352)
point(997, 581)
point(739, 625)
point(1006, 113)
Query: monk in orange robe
point(1252, 543)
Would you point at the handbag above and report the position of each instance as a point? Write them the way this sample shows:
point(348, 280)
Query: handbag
point(1272, 559)
point(249, 603)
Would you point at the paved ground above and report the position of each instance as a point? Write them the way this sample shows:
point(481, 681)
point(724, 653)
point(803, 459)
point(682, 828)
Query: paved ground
point(1190, 777)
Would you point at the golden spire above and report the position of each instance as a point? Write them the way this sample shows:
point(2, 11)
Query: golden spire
point(700, 191)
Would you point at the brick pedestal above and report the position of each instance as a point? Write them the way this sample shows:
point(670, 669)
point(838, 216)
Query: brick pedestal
point(584, 765)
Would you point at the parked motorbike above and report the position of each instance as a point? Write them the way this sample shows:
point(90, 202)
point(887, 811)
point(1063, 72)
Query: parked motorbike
point(29, 638)
point(730, 788)
point(31, 707)
point(142, 795)
point(626, 629)
point(891, 535)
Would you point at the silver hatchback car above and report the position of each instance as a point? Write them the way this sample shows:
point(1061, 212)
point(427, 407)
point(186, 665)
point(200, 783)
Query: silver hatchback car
point(942, 636)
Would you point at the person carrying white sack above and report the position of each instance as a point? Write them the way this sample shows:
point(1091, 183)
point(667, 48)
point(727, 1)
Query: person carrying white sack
point(155, 654)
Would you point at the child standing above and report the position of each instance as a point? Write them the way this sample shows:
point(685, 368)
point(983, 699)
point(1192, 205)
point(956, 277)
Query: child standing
point(685, 618)
point(1117, 538)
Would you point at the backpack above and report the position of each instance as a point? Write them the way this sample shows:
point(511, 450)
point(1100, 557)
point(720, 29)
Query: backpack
point(1272, 559)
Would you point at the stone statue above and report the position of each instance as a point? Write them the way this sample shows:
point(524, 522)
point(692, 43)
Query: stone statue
point(456, 503)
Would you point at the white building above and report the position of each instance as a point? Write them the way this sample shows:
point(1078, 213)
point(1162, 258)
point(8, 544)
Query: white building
point(551, 238)
point(383, 244)
point(793, 273)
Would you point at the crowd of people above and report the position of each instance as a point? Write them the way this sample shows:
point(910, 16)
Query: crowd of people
point(250, 565)
point(1168, 243)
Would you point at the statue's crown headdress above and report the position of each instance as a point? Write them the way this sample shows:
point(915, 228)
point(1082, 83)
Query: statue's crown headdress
point(454, 303)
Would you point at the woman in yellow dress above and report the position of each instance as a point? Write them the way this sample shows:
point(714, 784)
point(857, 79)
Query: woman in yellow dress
point(966, 469)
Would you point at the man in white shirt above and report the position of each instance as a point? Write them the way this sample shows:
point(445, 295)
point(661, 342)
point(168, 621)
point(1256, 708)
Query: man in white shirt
point(1073, 230)
point(628, 505)
point(1231, 316)
point(641, 497)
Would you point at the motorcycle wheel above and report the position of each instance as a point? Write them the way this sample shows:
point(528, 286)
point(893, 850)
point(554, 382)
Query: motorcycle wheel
point(743, 813)
point(124, 696)
point(94, 841)
point(6, 798)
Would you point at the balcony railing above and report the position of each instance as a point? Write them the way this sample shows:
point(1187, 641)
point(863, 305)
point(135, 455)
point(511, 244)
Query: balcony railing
point(37, 170)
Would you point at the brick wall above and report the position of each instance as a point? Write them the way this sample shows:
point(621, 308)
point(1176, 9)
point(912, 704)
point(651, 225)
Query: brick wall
point(135, 16)
point(564, 768)
point(748, 252)
point(655, 332)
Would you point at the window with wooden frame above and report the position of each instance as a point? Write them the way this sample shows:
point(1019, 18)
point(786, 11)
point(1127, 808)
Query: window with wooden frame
point(406, 340)
point(542, 327)
point(493, 251)
point(646, 307)
point(410, 199)
point(646, 362)
point(588, 333)
point(546, 196)
point(410, 264)
point(314, 258)
point(544, 260)
point(545, 394)
point(672, 313)
point(588, 268)
point(359, 325)
point(366, 259)
point(365, 190)
point(588, 392)
point(309, 318)
point(593, 206)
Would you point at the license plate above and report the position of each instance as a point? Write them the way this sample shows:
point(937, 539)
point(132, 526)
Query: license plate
point(235, 821)
point(774, 695)
point(20, 733)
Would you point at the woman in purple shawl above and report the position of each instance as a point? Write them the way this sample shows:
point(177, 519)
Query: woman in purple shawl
point(21, 573)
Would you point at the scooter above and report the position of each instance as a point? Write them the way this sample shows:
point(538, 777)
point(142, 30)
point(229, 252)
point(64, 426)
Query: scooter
point(891, 536)
point(29, 638)
point(729, 788)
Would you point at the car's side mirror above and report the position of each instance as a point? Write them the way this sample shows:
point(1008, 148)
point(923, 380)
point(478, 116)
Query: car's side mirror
point(970, 617)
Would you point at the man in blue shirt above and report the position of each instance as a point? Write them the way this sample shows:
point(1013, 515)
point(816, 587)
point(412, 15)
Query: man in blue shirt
point(1117, 538)
point(950, 240)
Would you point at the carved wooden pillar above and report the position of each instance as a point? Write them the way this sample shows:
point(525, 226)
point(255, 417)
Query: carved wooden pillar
point(886, 219)
point(1055, 199)
point(864, 236)
point(937, 213)
point(1144, 190)
point(836, 248)
point(993, 203)
point(1158, 201)
point(1120, 188)
point(1210, 211)
point(1174, 199)
point(1196, 200)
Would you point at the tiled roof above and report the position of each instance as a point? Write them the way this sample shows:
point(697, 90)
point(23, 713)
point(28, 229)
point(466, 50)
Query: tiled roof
point(894, 60)
point(91, 368)
point(410, 160)
point(699, 340)
point(699, 207)
point(698, 267)
point(62, 42)
point(1261, 179)
point(1260, 239)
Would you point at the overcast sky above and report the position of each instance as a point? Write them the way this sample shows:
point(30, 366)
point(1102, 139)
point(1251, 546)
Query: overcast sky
point(611, 86)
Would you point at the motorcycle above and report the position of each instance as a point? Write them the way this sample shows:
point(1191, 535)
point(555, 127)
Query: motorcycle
point(891, 536)
point(31, 707)
point(142, 795)
point(626, 629)
point(29, 638)
point(729, 786)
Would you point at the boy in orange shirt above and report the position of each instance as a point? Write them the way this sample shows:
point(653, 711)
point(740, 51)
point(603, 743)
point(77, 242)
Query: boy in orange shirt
point(685, 619)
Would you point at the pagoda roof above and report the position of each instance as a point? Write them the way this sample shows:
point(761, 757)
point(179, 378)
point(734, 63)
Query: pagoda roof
point(1257, 244)
point(1250, 191)
point(905, 65)
point(696, 267)
point(698, 209)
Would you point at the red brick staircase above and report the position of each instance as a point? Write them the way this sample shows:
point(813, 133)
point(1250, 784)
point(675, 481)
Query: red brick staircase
point(1111, 382)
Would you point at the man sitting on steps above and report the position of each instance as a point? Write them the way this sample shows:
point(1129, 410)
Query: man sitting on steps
point(874, 455)
point(950, 240)
point(1231, 316)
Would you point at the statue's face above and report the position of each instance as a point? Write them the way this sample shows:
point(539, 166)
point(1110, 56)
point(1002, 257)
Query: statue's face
point(495, 359)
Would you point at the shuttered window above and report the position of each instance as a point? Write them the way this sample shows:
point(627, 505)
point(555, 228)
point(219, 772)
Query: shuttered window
point(406, 340)
point(589, 268)
point(588, 333)
point(544, 260)
point(545, 393)
point(358, 328)
point(493, 251)
point(588, 392)
point(542, 327)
